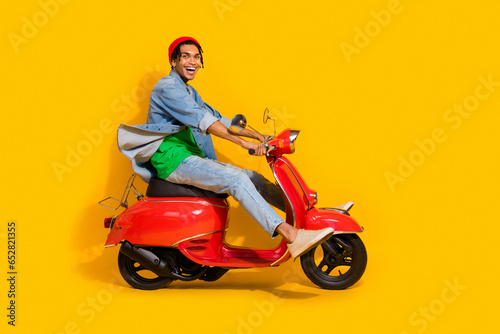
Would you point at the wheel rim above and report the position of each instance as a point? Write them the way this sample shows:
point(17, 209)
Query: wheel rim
point(334, 260)
point(141, 276)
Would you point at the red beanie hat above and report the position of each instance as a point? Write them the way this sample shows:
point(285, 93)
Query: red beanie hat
point(178, 41)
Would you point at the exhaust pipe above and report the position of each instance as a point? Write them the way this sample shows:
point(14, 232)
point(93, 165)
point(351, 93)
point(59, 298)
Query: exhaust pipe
point(148, 259)
point(159, 266)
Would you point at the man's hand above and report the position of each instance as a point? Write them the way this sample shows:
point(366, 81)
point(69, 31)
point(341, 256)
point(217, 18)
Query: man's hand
point(259, 149)
point(221, 131)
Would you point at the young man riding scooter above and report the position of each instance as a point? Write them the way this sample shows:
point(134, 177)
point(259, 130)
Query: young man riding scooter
point(176, 145)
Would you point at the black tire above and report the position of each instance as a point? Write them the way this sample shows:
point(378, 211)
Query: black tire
point(337, 264)
point(139, 277)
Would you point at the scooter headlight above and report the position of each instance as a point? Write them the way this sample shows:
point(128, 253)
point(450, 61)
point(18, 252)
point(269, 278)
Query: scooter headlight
point(293, 136)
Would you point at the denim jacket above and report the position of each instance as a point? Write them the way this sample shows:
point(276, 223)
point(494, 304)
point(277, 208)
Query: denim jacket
point(173, 105)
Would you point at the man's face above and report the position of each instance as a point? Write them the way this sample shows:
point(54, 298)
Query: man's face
point(187, 65)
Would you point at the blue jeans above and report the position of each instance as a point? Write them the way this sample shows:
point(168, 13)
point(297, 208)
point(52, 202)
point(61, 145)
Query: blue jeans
point(249, 188)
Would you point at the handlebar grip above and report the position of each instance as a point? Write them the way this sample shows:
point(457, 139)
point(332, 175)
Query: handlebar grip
point(270, 148)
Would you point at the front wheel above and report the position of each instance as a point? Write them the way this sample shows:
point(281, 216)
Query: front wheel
point(337, 264)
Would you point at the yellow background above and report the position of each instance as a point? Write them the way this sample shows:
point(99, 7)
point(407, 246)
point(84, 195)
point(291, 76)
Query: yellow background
point(84, 67)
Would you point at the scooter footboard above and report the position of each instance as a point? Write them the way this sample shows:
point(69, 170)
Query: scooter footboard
point(317, 219)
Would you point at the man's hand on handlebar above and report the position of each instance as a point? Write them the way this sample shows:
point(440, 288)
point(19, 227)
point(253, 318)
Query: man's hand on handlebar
point(257, 149)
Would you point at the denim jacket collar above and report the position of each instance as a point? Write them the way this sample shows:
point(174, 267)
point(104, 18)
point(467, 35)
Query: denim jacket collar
point(179, 80)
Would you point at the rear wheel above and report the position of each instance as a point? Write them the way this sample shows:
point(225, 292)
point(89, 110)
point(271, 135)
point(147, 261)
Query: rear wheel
point(337, 263)
point(138, 276)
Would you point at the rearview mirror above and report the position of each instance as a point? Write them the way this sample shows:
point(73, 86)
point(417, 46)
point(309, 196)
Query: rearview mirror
point(239, 123)
point(266, 115)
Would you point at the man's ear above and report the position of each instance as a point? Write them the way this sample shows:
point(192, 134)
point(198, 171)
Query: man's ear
point(172, 62)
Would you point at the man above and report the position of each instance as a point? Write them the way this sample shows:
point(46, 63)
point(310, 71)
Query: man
point(179, 148)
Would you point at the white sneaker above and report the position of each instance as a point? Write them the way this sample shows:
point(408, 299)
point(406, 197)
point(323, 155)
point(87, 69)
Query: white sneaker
point(307, 239)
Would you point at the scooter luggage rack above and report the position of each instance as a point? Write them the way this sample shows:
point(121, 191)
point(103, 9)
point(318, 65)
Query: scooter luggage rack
point(123, 202)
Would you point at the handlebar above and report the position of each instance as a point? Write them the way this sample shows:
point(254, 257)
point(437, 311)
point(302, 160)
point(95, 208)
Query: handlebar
point(268, 148)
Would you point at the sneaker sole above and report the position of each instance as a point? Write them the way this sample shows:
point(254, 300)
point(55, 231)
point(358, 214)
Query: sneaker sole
point(322, 238)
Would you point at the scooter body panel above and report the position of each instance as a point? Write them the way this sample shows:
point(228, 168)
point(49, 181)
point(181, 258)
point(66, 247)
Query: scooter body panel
point(166, 221)
point(214, 252)
point(317, 219)
point(299, 198)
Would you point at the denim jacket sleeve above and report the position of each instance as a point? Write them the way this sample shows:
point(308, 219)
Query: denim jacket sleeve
point(222, 119)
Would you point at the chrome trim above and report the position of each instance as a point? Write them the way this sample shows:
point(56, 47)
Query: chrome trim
point(336, 210)
point(348, 232)
point(196, 202)
point(281, 258)
point(346, 206)
point(303, 190)
point(197, 236)
point(293, 137)
point(288, 198)
point(112, 223)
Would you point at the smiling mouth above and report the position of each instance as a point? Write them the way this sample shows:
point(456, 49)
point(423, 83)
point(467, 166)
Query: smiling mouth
point(190, 70)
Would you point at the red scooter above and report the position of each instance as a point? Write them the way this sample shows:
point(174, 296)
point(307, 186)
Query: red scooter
point(176, 232)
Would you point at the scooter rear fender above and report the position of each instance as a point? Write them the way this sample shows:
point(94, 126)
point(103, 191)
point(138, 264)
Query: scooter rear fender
point(317, 219)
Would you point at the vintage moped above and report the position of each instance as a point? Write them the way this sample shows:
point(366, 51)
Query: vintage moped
point(176, 232)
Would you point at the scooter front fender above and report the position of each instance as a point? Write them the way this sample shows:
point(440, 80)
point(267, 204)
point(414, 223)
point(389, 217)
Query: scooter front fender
point(317, 219)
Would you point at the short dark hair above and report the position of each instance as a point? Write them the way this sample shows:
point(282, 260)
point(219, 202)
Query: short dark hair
point(177, 51)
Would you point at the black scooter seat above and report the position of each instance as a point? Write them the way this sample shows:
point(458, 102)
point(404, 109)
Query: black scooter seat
point(161, 188)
